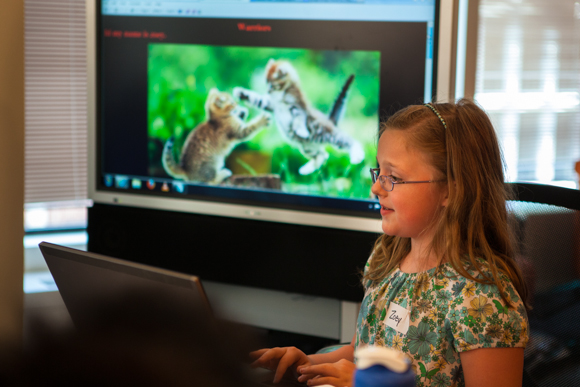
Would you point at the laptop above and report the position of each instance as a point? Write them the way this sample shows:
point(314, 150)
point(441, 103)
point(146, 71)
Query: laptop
point(84, 279)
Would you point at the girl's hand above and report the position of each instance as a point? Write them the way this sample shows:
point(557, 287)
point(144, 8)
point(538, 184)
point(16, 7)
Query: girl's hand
point(280, 360)
point(337, 374)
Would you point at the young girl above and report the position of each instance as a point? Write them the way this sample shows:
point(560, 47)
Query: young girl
point(441, 285)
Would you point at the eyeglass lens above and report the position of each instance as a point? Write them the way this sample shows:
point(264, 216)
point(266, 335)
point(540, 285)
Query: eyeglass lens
point(384, 180)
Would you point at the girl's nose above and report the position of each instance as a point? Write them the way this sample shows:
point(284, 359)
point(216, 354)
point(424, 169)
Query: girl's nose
point(377, 189)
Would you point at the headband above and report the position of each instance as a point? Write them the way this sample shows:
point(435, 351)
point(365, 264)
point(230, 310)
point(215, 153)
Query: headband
point(437, 113)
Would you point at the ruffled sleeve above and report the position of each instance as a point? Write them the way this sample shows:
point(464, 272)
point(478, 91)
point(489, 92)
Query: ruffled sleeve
point(479, 318)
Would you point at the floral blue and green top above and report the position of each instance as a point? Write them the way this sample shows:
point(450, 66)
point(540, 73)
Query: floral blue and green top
point(445, 313)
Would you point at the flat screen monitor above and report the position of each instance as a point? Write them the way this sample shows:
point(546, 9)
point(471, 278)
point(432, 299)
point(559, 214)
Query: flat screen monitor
point(263, 110)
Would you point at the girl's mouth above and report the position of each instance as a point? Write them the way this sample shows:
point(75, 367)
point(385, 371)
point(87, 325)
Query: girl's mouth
point(386, 210)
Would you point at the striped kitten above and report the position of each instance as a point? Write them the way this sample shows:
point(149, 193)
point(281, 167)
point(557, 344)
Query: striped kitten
point(298, 121)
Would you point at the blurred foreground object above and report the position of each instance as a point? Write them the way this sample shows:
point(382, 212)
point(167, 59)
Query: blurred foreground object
point(126, 346)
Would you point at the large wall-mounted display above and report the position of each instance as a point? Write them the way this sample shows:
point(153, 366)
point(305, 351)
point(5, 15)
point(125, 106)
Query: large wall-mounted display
point(243, 117)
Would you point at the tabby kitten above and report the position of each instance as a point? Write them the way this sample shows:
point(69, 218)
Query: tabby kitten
point(298, 121)
point(209, 143)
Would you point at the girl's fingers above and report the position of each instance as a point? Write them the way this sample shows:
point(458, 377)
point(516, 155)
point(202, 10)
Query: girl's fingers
point(323, 380)
point(278, 359)
point(320, 369)
point(337, 374)
point(305, 377)
point(283, 365)
point(280, 371)
point(258, 353)
point(266, 356)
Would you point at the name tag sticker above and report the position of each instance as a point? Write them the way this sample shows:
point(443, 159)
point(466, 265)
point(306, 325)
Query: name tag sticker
point(398, 318)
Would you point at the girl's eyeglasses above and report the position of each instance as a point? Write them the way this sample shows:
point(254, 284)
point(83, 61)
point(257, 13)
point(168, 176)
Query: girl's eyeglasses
point(388, 182)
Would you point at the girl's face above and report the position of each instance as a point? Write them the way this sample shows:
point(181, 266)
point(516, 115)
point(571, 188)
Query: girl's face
point(408, 210)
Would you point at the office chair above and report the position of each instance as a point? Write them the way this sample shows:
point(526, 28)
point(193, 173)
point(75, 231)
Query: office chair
point(548, 232)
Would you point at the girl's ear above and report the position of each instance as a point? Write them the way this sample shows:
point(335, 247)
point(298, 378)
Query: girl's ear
point(445, 196)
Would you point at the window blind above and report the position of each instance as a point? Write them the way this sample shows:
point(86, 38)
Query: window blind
point(55, 101)
point(528, 80)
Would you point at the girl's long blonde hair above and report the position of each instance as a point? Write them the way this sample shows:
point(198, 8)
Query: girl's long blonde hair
point(474, 225)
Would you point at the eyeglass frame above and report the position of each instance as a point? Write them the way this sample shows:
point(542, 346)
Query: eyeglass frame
point(383, 178)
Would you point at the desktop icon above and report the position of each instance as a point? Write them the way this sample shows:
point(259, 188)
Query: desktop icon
point(122, 182)
point(108, 181)
point(136, 183)
point(151, 184)
point(178, 187)
point(165, 187)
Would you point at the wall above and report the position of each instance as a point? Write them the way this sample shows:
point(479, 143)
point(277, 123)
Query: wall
point(11, 169)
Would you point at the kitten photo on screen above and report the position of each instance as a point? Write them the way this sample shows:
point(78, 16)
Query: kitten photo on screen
point(284, 120)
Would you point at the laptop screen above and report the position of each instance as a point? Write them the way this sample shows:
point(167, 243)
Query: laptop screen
point(85, 280)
